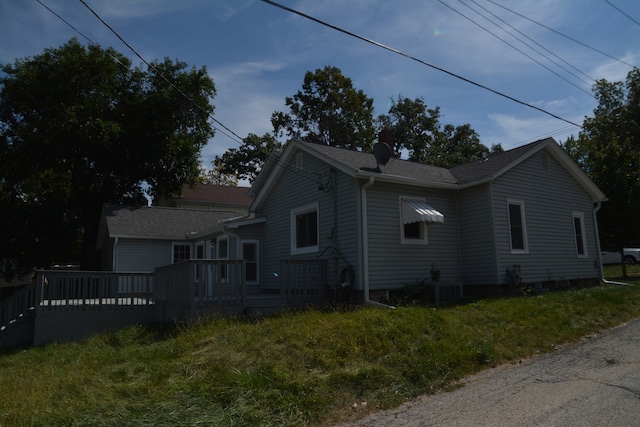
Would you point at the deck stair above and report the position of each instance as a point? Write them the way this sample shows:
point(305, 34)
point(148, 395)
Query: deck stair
point(17, 317)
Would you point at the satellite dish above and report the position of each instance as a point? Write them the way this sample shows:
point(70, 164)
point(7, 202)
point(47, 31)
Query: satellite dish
point(382, 153)
point(382, 150)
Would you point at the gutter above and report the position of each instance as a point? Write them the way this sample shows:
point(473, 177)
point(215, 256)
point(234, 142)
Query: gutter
point(365, 245)
point(595, 221)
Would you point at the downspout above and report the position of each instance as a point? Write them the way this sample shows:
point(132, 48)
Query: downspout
point(600, 268)
point(365, 245)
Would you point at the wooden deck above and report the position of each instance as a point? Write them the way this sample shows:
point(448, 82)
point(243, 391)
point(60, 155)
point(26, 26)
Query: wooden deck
point(68, 305)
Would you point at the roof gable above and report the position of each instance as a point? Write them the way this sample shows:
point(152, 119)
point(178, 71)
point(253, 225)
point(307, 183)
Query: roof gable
point(359, 165)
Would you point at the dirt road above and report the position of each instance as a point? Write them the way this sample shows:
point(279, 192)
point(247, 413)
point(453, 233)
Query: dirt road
point(593, 383)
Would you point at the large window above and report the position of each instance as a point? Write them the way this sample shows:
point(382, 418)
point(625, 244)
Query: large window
point(579, 234)
point(181, 252)
point(304, 230)
point(517, 227)
point(250, 256)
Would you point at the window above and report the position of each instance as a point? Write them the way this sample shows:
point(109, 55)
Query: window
point(413, 227)
point(517, 227)
point(181, 252)
point(222, 250)
point(199, 255)
point(304, 230)
point(250, 256)
point(578, 230)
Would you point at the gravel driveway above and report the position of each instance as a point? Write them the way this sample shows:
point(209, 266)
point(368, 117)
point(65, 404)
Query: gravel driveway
point(595, 382)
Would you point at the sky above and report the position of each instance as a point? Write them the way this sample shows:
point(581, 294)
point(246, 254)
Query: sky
point(482, 62)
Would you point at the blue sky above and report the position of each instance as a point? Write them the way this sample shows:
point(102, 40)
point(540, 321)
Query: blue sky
point(257, 54)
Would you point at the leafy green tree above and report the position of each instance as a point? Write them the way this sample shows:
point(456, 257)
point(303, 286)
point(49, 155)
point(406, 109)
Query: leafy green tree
point(79, 126)
point(246, 161)
point(417, 129)
point(608, 149)
point(328, 110)
point(217, 177)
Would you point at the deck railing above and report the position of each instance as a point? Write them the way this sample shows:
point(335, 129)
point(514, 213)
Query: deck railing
point(66, 289)
point(17, 307)
point(189, 289)
point(303, 282)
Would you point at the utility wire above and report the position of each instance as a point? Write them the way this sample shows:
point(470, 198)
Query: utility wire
point(622, 11)
point(159, 73)
point(373, 42)
point(563, 35)
point(510, 45)
point(533, 41)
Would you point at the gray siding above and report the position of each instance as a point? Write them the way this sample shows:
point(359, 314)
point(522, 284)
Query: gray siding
point(338, 221)
point(550, 196)
point(393, 264)
point(476, 236)
point(142, 255)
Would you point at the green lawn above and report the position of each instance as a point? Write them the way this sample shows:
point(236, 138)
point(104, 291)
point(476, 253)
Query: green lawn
point(311, 368)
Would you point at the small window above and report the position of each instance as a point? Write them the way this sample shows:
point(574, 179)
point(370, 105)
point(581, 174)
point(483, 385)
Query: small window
point(181, 252)
point(250, 256)
point(304, 230)
point(415, 232)
point(517, 227)
point(579, 234)
point(300, 161)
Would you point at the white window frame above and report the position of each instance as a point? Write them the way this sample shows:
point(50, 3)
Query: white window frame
point(295, 250)
point(173, 251)
point(257, 261)
point(525, 239)
point(579, 215)
point(424, 234)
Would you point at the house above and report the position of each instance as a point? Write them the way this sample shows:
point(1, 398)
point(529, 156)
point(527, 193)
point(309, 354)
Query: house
point(210, 197)
point(329, 221)
point(140, 239)
point(527, 215)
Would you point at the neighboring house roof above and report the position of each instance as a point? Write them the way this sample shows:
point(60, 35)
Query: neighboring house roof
point(208, 196)
point(359, 164)
point(158, 222)
point(216, 194)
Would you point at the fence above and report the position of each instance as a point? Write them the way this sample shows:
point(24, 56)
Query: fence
point(192, 288)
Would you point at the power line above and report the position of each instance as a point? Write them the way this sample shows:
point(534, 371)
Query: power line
point(622, 11)
point(510, 45)
point(173, 85)
point(533, 41)
point(563, 35)
point(373, 42)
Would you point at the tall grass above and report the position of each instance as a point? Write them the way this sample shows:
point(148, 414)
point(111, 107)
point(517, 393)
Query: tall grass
point(311, 368)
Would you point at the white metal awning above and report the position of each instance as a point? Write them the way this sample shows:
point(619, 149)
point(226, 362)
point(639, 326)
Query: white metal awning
point(418, 211)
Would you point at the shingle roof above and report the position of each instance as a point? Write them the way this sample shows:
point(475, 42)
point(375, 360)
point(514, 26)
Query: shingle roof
point(357, 160)
point(222, 194)
point(490, 166)
point(160, 222)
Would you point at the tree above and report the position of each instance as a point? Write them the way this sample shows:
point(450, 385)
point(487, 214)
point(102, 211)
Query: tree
point(217, 177)
point(246, 161)
point(328, 111)
point(80, 127)
point(417, 129)
point(608, 150)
